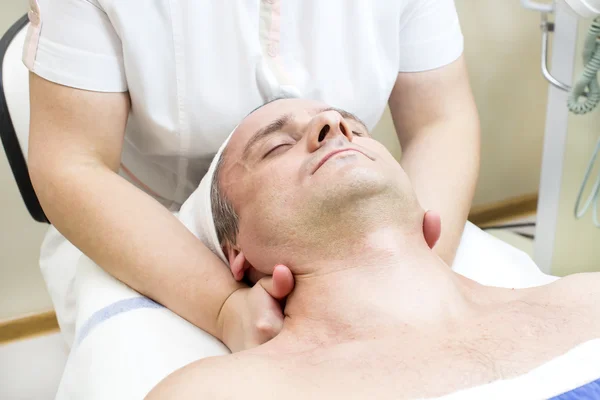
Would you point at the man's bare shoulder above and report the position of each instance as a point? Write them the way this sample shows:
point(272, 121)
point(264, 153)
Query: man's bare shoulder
point(577, 290)
point(210, 378)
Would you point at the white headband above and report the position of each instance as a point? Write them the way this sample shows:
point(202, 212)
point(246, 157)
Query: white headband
point(196, 213)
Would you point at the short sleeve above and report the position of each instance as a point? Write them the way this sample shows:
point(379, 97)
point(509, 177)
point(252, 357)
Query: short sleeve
point(430, 35)
point(73, 43)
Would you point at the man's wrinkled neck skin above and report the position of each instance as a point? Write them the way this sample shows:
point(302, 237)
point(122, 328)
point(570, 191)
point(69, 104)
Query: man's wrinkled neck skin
point(387, 280)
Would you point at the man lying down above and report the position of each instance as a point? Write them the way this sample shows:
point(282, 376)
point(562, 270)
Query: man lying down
point(375, 314)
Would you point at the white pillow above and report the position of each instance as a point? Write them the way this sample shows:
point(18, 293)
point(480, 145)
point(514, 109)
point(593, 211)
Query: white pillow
point(492, 262)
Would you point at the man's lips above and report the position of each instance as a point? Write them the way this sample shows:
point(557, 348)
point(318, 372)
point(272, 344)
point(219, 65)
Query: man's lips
point(333, 153)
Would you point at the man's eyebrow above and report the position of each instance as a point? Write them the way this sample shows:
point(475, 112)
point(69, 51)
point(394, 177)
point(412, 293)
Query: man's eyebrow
point(264, 132)
point(346, 115)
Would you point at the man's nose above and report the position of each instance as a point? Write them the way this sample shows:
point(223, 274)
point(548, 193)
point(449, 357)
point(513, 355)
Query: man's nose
point(326, 126)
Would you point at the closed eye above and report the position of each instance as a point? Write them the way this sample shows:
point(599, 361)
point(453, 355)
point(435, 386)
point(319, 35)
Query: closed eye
point(277, 150)
point(355, 133)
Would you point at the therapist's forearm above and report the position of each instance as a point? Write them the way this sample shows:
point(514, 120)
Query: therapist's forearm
point(436, 121)
point(135, 239)
point(442, 161)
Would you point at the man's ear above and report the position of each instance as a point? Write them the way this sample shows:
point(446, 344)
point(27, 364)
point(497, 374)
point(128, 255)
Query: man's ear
point(237, 262)
point(432, 227)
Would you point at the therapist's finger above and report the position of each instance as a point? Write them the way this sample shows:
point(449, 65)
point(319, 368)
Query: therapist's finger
point(280, 284)
point(432, 227)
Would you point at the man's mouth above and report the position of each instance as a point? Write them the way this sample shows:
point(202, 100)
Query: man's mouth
point(333, 153)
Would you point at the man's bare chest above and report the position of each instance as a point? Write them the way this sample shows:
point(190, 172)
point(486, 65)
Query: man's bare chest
point(500, 345)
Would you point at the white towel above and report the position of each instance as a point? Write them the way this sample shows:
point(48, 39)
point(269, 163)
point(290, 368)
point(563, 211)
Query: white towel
point(196, 212)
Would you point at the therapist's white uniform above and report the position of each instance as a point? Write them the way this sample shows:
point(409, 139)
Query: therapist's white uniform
point(195, 68)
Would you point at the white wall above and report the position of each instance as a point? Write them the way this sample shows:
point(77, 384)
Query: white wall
point(503, 55)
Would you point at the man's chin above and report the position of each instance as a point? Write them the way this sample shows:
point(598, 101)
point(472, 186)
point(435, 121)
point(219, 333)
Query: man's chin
point(349, 184)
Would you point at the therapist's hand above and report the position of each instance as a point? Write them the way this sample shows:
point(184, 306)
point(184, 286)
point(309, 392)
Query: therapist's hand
point(253, 316)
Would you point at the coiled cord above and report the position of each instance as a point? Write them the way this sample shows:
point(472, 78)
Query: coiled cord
point(585, 94)
point(587, 87)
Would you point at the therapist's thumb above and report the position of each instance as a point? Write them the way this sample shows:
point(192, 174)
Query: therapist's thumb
point(432, 227)
point(280, 285)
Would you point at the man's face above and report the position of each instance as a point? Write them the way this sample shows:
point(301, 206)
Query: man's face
point(297, 172)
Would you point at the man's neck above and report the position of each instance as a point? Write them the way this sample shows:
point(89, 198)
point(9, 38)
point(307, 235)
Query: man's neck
point(386, 281)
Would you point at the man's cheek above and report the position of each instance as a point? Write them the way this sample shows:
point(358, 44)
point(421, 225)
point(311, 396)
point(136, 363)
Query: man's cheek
point(375, 147)
point(273, 186)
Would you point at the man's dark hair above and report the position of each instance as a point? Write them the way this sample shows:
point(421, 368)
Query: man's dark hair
point(224, 216)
